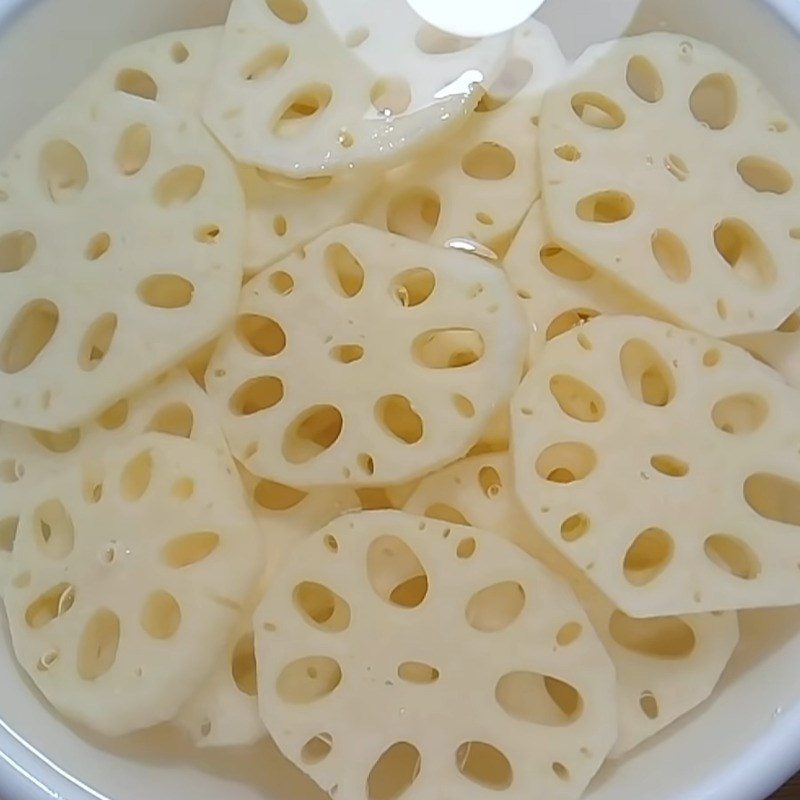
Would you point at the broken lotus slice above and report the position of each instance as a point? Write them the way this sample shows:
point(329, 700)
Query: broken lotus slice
point(121, 239)
point(224, 713)
point(367, 359)
point(479, 185)
point(383, 621)
point(173, 404)
point(128, 576)
point(711, 421)
point(309, 88)
point(558, 290)
point(666, 666)
point(671, 167)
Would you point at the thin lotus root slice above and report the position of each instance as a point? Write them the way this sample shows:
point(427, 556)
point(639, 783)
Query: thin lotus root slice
point(479, 186)
point(173, 404)
point(779, 348)
point(173, 69)
point(307, 88)
point(496, 435)
point(670, 166)
point(368, 359)
point(285, 213)
point(224, 713)
point(383, 498)
point(121, 243)
point(708, 421)
point(129, 573)
point(665, 666)
point(383, 621)
point(558, 290)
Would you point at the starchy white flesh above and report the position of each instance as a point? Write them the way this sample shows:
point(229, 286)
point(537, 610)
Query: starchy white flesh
point(495, 436)
point(669, 165)
point(173, 404)
point(368, 359)
point(633, 511)
point(558, 290)
point(665, 666)
point(309, 88)
point(129, 572)
point(121, 239)
point(174, 69)
point(384, 621)
point(285, 213)
point(224, 713)
point(779, 348)
point(478, 491)
point(480, 185)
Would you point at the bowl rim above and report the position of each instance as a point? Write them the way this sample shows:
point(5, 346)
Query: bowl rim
point(770, 760)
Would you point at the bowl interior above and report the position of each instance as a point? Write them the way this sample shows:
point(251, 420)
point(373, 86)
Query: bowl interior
point(738, 746)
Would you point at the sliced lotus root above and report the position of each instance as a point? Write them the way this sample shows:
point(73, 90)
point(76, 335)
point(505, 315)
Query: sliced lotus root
point(478, 491)
point(306, 88)
point(121, 243)
point(368, 359)
point(495, 437)
point(384, 621)
point(665, 666)
point(128, 576)
point(560, 291)
point(671, 167)
point(173, 404)
point(284, 213)
point(383, 498)
point(479, 185)
point(779, 348)
point(174, 69)
point(224, 712)
point(622, 433)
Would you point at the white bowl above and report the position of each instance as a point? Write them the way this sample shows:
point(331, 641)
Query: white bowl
point(740, 745)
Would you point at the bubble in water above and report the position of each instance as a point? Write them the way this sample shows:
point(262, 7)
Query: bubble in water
point(686, 50)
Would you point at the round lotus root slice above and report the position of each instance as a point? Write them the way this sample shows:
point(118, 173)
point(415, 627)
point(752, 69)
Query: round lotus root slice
point(666, 666)
point(621, 435)
point(383, 621)
point(668, 164)
point(128, 575)
point(479, 185)
point(367, 359)
point(306, 88)
point(224, 713)
point(121, 241)
point(558, 290)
